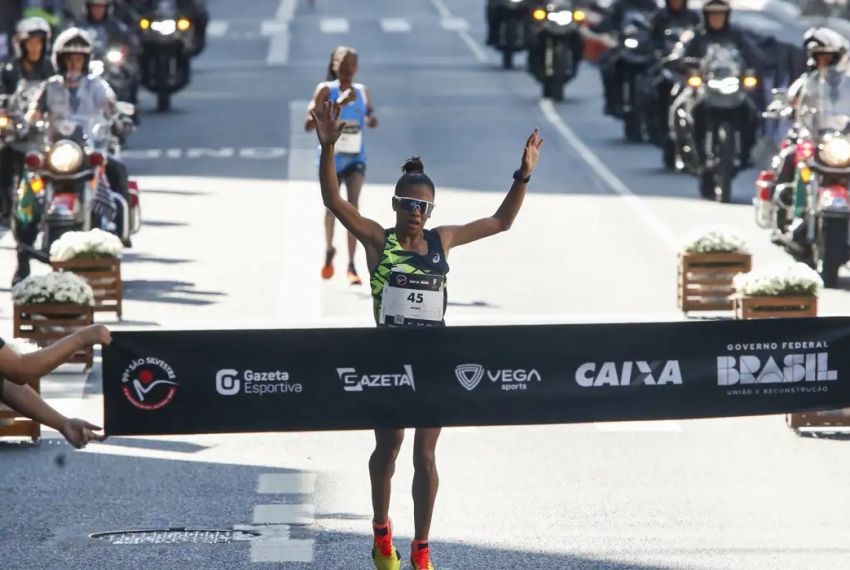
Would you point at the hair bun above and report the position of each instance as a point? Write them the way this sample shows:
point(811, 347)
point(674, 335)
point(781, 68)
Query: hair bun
point(413, 165)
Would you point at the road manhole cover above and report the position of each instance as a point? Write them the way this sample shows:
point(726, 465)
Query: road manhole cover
point(174, 536)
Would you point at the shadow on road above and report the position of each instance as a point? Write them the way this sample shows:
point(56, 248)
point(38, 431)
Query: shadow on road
point(168, 291)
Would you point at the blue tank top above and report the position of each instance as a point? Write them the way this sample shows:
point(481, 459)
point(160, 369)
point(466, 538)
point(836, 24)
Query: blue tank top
point(354, 115)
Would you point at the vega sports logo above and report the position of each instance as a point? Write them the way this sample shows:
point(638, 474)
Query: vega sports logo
point(471, 375)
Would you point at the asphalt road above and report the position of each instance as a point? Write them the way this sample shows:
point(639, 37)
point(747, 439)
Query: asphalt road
point(233, 239)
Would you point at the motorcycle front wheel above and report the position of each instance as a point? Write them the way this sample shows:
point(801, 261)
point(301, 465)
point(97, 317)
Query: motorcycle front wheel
point(832, 249)
point(163, 89)
point(725, 158)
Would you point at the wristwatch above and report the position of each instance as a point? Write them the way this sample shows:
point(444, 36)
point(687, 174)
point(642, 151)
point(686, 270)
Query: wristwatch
point(518, 177)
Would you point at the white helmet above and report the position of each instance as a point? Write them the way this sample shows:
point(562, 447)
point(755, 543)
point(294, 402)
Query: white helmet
point(72, 40)
point(824, 40)
point(29, 27)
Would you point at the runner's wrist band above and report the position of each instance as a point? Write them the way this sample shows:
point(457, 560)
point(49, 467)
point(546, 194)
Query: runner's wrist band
point(518, 177)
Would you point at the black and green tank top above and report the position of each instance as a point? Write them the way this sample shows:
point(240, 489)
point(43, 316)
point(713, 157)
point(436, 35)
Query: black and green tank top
point(395, 259)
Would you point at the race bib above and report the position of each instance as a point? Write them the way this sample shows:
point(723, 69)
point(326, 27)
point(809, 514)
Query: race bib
point(413, 299)
point(351, 139)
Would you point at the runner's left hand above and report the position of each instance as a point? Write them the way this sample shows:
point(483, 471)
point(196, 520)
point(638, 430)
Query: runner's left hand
point(371, 121)
point(531, 152)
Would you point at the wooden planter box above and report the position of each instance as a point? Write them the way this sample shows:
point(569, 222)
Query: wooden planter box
point(104, 277)
point(13, 425)
point(826, 419)
point(705, 280)
point(45, 324)
point(775, 307)
point(785, 307)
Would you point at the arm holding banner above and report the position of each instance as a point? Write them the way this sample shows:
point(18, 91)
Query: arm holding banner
point(27, 402)
point(27, 368)
point(503, 219)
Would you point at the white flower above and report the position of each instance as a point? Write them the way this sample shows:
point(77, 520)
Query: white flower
point(714, 241)
point(92, 244)
point(53, 288)
point(22, 345)
point(794, 280)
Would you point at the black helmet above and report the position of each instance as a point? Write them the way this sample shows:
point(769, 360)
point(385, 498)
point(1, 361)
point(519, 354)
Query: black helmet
point(27, 28)
point(716, 7)
point(72, 40)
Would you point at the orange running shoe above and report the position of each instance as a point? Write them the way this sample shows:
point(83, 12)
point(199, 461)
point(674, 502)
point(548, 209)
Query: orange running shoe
point(353, 278)
point(420, 556)
point(384, 554)
point(328, 268)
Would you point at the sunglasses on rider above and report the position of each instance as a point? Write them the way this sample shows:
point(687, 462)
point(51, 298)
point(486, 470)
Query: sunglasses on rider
point(410, 204)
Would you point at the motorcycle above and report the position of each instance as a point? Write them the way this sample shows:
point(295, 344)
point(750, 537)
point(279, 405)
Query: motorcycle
point(117, 64)
point(636, 55)
point(166, 38)
point(818, 207)
point(512, 32)
point(657, 90)
point(15, 131)
point(720, 98)
point(66, 171)
point(556, 46)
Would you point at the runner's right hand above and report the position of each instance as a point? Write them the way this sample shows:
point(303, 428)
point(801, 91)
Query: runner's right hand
point(328, 125)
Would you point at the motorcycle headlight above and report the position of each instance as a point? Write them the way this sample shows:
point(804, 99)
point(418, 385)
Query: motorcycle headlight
point(561, 17)
point(165, 27)
point(65, 157)
point(726, 86)
point(631, 43)
point(115, 56)
point(836, 152)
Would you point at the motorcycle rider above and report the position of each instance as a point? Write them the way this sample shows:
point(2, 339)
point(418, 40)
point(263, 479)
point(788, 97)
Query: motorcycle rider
point(72, 92)
point(98, 19)
point(31, 42)
point(717, 29)
point(675, 14)
point(493, 15)
point(612, 75)
point(828, 56)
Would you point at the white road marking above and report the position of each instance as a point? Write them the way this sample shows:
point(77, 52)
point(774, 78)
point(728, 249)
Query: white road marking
point(453, 24)
point(395, 25)
point(285, 514)
point(636, 427)
point(279, 45)
point(281, 550)
point(271, 27)
point(217, 28)
point(448, 20)
point(334, 26)
point(644, 213)
point(286, 483)
point(477, 49)
point(442, 8)
point(302, 216)
point(253, 153)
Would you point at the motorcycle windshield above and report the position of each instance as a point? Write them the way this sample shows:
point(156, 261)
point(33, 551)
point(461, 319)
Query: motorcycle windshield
point(24, 95)
point(721, 61)
point(635, 23)
point(827, 100)
point(91, 131)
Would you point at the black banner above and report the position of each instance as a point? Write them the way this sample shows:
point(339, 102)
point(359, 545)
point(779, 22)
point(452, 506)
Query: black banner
point(169, 382)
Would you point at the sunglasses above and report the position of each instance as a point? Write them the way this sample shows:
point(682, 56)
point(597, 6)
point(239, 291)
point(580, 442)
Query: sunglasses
point(410, 204)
